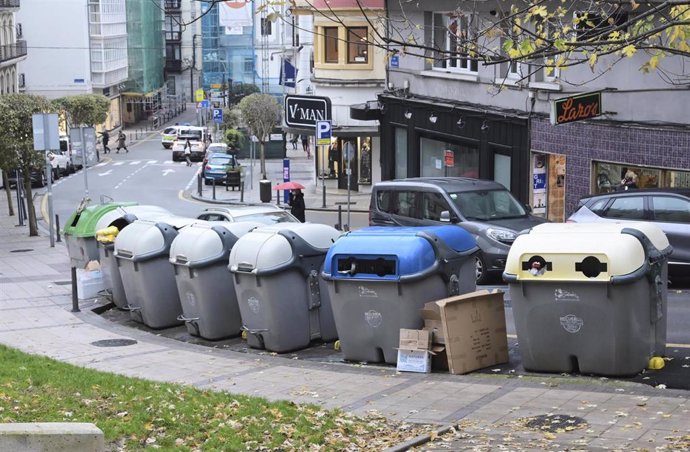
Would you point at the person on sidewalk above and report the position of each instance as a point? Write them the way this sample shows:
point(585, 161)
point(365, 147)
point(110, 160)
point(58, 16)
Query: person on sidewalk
point(105, 138)
point(333, 159)
point(121, 138)
point(296, 202)
point(305, 145)
point(188, 152)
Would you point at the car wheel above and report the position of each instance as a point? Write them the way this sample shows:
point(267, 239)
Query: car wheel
point(480, 271)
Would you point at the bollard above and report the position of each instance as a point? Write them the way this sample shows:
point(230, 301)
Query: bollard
point(323, 205)
point(340, 218)
point(57, 228)
point(242, 192)
point(75, 298)
point(199, 183)
point(214, 188)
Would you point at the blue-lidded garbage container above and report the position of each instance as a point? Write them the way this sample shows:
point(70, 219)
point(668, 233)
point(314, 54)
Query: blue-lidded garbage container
point(142, 251)
point(379, 278)
point(589, 297)
point(199, 255)
point(283, 301)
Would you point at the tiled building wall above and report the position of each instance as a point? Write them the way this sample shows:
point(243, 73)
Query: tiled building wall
point(583, 142)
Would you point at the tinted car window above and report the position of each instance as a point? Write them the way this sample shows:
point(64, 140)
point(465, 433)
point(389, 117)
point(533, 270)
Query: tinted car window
point(267, 218)
point(212, 217)
point(598, 206)
point(397, 202)
point(628, 208)
point(432, 206)
point(671, 210)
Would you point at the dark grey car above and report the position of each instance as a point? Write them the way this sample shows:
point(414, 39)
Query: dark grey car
point(484, 208)
point(666, 207)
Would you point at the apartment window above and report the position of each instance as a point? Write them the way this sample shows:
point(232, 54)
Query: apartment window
point(248, 65)
point(266, 27)
point(453, 35)
point(357, 48)
point(173, 27)
point(331, 44)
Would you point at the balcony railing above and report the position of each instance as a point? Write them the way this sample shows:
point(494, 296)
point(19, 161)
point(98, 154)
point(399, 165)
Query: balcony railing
point(173, 65)
point(12, 51)
point(9, 3)
point(172, 5)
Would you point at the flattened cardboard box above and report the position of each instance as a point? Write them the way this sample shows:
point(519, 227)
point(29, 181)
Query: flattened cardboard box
point(474, 327)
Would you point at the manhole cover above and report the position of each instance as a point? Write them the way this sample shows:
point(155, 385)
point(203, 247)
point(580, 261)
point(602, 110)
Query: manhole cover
point(555, 423)
point(24, 250)
point(114, 342)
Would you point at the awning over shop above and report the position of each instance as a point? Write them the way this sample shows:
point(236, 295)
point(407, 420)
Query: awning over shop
point(354, 131)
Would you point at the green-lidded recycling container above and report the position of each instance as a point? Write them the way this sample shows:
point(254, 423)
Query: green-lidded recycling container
point(589, 297)
point(80, 231)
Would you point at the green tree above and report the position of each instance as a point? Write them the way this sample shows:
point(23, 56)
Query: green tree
point(234, 138)
point(16, 141)
point(86, 110)
point(261, 113)
point(239, 91)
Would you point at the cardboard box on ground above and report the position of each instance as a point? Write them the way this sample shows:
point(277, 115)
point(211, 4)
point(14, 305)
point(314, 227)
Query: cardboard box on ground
point(90, 280)
point(468, 332)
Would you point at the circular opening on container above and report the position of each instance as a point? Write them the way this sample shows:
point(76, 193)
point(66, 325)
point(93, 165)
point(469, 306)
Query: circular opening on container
point(114, 342)
point(590, 267)
point(23, 250)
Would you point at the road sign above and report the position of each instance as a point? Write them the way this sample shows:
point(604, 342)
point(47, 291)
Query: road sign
point(204, 103)
point(199, 95)
point(218, 115)
point(323, 132)
point(45, 131)
point(449, 158)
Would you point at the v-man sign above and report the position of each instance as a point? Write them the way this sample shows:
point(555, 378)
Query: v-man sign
point(323, 132)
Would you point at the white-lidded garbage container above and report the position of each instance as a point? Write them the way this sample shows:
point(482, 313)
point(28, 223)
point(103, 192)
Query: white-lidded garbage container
point(200, 255)
point(142, 251)
point(379, 278)
point(283, 302)
point(120, 218)
point(589, 297)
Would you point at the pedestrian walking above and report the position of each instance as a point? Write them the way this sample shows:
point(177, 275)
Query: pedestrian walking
point(305, 145)
point(105, 139)
point(293, 141)
point(296, 202)
point(121, 138)
point(188, 152)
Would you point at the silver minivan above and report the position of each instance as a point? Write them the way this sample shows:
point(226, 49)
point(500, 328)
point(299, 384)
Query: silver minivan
point(486, 209)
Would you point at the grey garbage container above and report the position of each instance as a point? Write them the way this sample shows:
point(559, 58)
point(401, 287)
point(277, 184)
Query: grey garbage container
point(379, 278)
point(142, 251)
point(200, 255)
point(283, 301)
point(120, 218)
point(265, 190)
point(589, 298)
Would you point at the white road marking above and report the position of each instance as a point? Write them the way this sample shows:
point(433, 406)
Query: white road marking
point(135, 162)
point(102, 164)
point(168, 171)
point(118, 163)
point(151, 162)
point(106, 173)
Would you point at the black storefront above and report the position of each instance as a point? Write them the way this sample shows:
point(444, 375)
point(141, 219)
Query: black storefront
point(433, 137)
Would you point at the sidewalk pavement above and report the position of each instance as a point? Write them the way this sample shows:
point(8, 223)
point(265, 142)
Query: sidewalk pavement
point(485, 410)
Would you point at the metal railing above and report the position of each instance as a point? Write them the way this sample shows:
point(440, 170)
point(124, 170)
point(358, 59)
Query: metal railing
point(12, 51)
point(9, 3)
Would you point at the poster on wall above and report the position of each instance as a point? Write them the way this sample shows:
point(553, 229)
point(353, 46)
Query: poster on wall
point(539, 184)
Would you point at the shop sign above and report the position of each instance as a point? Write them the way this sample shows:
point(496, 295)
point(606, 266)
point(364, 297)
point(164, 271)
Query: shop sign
point(305, 111)
point(575, 108)
point(449, 158)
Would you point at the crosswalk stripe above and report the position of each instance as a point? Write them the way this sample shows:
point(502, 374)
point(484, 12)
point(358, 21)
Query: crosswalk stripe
point(151, 162)
point(136, 162)
point(168, 162)
point(118, 163)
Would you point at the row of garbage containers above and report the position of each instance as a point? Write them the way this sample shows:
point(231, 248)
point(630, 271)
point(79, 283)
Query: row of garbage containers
point(594, 302)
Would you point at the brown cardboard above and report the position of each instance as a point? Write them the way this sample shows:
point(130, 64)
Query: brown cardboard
point(475, 330)
point(414, 339)
point(432, 322)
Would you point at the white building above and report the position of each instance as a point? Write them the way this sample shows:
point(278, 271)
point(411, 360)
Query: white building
point(88, 55)
point(12, 47)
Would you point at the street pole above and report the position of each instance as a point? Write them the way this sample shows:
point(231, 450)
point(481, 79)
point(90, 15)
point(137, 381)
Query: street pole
point(49, 178)
point(348, 155)
point(83, 161)
point(322, 150)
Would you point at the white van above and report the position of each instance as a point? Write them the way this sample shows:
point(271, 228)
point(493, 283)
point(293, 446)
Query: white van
point(197, 138)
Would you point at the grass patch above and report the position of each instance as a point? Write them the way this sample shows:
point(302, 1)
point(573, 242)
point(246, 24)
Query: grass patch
point(137, 414)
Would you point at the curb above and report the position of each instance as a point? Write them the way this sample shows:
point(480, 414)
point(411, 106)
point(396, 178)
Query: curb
point(419, 440)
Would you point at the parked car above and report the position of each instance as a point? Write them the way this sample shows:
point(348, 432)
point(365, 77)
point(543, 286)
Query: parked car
point(262, 213)
point(196, 137)
point(668, 208)
point(486, 209)
point(60, 163)
point(217, 166)
point(38, 178)
point(215, 148)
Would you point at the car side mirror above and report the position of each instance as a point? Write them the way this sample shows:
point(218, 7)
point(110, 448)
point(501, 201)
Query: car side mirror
point(445, 216)
point(528, 208)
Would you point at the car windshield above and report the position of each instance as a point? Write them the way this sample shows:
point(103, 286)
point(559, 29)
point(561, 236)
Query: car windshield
point(268, 217)
point(487, 205)
point(220, 160)
point(169, 131)
point(191, 134)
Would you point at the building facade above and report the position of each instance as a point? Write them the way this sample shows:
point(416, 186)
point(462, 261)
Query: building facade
point(182, 61)
point(494, 120)
point(13, 48)
point(88, 56)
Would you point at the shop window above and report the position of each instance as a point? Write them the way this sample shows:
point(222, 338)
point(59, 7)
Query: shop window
point(331, 44)
point(432, 153)
point(357, 51)
point(365, 161)
point(400, 152)
point(608, 176)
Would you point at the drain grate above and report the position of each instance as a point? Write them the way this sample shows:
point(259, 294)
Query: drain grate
point(22, 250)
point(114, 342)
point(555, 423)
